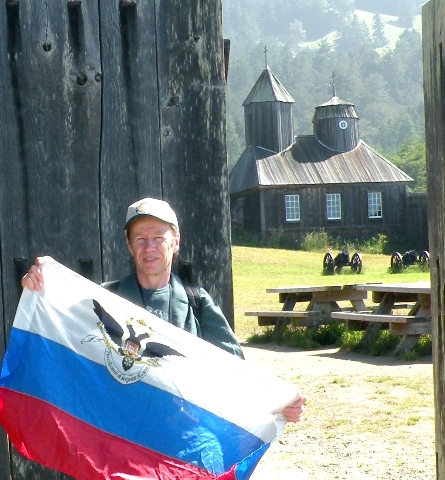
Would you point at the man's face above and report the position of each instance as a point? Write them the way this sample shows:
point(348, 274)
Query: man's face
point(152, 244)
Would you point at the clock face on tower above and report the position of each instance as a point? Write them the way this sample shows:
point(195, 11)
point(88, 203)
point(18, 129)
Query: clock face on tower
point(343, 124)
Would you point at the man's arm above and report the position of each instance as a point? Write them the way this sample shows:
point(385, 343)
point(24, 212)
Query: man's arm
point(215, 328)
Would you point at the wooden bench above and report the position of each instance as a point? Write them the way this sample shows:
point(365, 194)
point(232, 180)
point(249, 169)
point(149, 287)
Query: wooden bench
point(373, 317)
point(303, 318)
point(398, 324)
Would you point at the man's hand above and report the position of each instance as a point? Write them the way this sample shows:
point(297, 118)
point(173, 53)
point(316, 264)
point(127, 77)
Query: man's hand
point(294, 411)
point(34, 278)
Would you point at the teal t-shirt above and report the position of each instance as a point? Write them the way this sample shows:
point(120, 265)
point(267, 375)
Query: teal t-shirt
point(157, 302)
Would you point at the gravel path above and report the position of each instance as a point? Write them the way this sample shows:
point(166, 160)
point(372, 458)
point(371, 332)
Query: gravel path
point(367, 418)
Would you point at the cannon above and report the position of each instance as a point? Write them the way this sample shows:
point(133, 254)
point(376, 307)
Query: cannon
point(333, 265)
point(410, 257)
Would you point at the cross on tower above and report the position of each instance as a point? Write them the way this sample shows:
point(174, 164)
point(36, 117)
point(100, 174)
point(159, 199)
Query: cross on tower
point(265, 54)
point(333, 84)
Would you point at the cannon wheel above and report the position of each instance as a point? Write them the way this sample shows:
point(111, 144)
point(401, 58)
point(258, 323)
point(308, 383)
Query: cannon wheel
point(356, 263)
point(424, 259)
point(396, 262)
point(328, 264)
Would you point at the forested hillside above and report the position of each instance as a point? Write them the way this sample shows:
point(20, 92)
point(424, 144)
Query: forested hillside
point(373, 46)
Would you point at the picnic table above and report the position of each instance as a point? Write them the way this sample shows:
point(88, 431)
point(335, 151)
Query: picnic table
point(390, 299)
point(320, 300)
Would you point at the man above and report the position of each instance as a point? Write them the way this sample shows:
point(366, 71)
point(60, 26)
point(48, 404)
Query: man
point(152, 232)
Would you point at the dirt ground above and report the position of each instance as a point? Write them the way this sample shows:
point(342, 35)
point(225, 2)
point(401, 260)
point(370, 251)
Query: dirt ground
point(367, 418)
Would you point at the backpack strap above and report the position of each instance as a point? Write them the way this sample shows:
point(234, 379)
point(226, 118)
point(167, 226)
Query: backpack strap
point(194, 299)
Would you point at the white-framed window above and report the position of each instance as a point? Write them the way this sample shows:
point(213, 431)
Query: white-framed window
point(292, 205)
point(375, 205)
point(333, 206)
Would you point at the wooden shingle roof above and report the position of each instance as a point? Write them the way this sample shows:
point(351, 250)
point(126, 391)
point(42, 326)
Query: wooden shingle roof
point(308, 162)
point(335, 108)
point(268, 89)
point(244, 175)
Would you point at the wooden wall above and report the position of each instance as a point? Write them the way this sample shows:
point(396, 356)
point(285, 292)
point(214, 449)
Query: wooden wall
point(103, 103)
point(245, 211)
point(433, 19)
point(269, 125)
point(354, 202)
point(328, 131)
point(404, 214)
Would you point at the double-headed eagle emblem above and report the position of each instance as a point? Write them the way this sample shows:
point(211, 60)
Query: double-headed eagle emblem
point(133, 347)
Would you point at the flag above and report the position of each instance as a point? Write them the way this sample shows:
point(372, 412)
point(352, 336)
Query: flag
point(98, 388)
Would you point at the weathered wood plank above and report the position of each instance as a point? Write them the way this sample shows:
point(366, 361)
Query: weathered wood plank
point(299, 297)
point(318, 293)
point(49, 153)
point(306, 318)
point(433, 38)
point(283, 313)
point(268, 317)
point(296, 322)
point(412, 328)
point(374, 317)
point(10, 47)
point(406, 297)
point(339, 295)
point(130, 164)
point(306, 289)
point(194, 158)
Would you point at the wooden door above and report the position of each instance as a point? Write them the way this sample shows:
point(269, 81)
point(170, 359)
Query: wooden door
point(102, 103)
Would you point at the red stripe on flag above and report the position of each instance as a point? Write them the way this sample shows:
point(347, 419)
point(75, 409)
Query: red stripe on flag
point(50, 436)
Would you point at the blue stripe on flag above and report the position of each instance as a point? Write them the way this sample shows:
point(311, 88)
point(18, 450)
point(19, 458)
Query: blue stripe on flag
point(138, 412)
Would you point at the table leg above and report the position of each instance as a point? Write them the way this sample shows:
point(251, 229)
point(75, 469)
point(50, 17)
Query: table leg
point(373, 328)
point(326, 308)
point(406, 344)
point(422, 308)
point(357, 306)
point(282, 323)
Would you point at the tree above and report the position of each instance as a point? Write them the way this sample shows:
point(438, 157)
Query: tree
point(354, 33)
point(411, 158)
point(323, 55)
point(395, 130)
point(378, 32)
point(315, 18)
point(235, 144)
point(343, 8)
point(297, 33)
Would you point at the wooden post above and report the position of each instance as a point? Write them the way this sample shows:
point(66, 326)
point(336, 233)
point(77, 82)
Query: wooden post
point(433, 19)
point(103, 103)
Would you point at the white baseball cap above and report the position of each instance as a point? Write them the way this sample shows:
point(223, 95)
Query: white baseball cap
point(151, 207)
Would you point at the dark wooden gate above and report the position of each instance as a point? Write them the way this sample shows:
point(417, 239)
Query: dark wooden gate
point(433, 20)
point(417, 221)
point(101, 103)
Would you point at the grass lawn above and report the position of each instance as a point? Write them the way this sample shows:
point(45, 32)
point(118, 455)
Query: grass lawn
point(255, 269)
